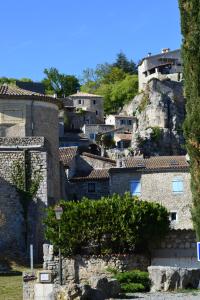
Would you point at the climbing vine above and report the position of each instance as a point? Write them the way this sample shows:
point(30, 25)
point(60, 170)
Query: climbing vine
point(27, 184)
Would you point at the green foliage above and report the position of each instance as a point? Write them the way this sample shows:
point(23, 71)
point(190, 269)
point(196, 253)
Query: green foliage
point(117, 82)
point(105, 140)
point(115, 224)
point(26, 184)
point(156, 133)
point(124, 64)
point(13, 80)
point(133, 281)
point(190, 27)
point(143, 104)
point(60, 84)
point(132, 287)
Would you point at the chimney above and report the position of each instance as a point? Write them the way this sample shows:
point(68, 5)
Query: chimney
point(149, 54)
point(165, 50)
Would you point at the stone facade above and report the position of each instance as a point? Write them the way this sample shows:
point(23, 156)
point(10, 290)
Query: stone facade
point(177, 249)
point(91, 130)
point(157, 186)
point(161, 66)
point(39, 119)
point(89, 102)
point(121, 121)
point(81, 268)
point(14, 229)
point(81, 188)
point(29, 139)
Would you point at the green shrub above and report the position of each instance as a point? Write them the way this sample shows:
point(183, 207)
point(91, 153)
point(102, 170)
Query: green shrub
point(134, 277)
point(115, 224)
point(132, 287)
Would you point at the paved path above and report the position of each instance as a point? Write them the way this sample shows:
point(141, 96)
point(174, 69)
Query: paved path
point(163, 296)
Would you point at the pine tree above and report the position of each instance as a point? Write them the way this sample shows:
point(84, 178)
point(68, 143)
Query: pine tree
point(190, 27)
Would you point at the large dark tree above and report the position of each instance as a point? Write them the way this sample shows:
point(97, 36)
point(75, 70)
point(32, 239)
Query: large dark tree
point(190, 26)
point(122, 62)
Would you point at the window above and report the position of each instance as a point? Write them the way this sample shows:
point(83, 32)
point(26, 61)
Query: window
point(129, 122)
point(91, 187)
point(135, 187)
point(177, 185)
point(173, 216)
point(79, 101)
point(94, 102)
point(121, 122)
point(97, 113)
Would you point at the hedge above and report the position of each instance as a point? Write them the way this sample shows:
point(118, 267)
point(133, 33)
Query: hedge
point(111, 225)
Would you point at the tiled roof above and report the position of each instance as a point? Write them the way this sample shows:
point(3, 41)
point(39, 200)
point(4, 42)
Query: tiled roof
point(157, 162)
point(99, 157)
point(67, 154)
point(80, 94)
point(95, 174)
point(14, 92)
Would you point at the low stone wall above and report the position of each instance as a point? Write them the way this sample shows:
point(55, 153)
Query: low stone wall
point(81, 268)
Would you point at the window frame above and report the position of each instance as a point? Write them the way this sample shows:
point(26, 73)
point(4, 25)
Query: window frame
point(137, 180)
point(170, 216)
point(177, 185)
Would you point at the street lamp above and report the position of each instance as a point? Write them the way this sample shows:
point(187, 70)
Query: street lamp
point(59, 211)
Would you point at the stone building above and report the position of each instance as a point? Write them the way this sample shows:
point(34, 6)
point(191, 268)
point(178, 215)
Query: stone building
point(163, 179)
point(121, 121)
point(28, 142)
point(161, 66)
point(166, 180)
point(84, 175)
point(89, 102)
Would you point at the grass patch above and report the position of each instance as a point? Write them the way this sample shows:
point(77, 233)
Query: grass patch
point(11, 287)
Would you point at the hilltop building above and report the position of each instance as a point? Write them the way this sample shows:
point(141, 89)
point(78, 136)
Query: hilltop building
point(165, 65)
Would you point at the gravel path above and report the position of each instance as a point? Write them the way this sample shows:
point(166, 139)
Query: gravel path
point(163, 296)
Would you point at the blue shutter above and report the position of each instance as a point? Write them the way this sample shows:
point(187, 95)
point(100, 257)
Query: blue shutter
point(136, 188)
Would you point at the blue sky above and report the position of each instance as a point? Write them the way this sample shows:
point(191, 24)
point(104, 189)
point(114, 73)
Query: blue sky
point(72, 35)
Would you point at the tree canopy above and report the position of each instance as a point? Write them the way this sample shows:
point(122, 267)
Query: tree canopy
point(117, 82)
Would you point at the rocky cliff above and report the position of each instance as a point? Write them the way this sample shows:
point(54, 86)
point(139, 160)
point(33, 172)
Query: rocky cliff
point(160, 112)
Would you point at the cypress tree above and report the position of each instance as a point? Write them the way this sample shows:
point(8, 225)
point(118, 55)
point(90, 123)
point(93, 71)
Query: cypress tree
point(190, 27)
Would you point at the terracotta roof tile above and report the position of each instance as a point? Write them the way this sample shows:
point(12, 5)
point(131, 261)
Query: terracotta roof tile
point(80, 94)
point(67, 154)
point(14, 92)
point(95, 174)
point(158, 162)
point(99, 157)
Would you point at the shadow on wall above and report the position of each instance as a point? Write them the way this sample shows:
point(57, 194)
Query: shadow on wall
point(12, 240)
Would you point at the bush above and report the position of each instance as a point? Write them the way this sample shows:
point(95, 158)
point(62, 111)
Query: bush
point(134, 277)
point(115, 224)
point(132, 287)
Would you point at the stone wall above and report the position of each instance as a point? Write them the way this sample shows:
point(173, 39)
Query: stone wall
point(178, 249)
point(13, 228)
point(79, 189)
point(81, 268)
point(157, 187)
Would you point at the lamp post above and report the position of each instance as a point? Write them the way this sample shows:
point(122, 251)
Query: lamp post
point(59, 211)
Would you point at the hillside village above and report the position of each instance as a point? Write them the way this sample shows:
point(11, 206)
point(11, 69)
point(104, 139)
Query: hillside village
point(68, 148)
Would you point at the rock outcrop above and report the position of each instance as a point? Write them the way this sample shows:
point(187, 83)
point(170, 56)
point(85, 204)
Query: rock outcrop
point(160, 112)
point(173, 278)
